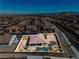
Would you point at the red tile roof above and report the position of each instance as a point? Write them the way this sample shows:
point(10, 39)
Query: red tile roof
point(37, 39)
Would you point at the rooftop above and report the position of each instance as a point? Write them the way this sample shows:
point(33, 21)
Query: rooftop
point(5, 38)
point(37, 39)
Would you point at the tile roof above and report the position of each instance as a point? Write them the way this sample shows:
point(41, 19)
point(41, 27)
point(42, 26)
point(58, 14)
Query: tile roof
point(37, 39)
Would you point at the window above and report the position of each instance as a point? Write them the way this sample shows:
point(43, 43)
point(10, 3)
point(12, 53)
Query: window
point(39, 44)
point(32, 44)
point(45, 36)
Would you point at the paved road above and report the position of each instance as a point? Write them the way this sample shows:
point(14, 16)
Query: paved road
point(67, 50)
point(29, 56)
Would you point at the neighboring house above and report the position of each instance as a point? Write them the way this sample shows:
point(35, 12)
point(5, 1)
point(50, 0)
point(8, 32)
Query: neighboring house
point(7, 39)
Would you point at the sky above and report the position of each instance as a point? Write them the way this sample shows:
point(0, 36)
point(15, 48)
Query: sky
point(38, 6)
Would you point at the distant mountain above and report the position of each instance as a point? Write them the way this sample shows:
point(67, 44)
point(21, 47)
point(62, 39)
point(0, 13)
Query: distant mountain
point(51, 14)
point(71, 13)
point(41, 14)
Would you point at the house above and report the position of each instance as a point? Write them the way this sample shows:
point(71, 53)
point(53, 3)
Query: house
point(41, 42)
point(7, 39)
point(38, 39)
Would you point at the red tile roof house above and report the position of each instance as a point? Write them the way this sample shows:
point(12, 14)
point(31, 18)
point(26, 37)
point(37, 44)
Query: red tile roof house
point(41, 41)
point(38, 39)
